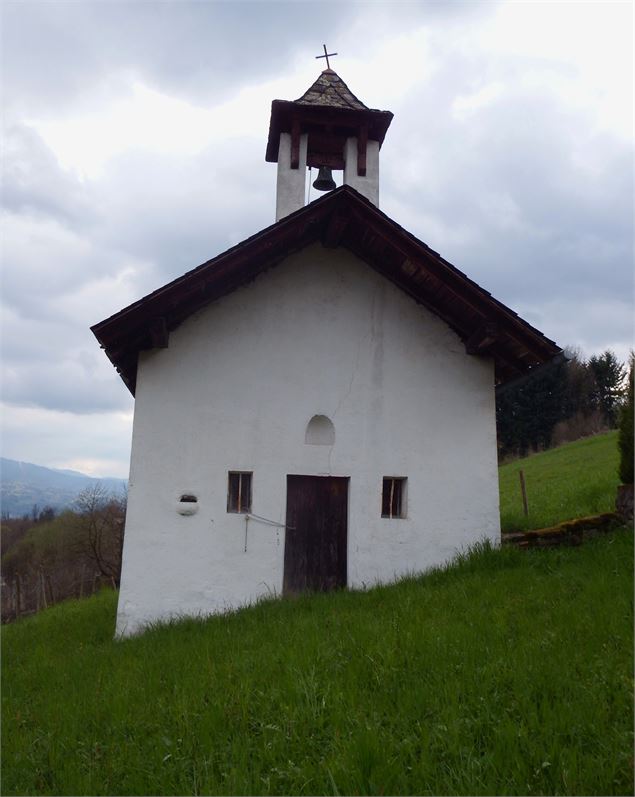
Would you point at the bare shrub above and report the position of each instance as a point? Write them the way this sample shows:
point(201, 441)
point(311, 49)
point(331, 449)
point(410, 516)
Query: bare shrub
point(100, 527)
point(577, 426)
point(69, 556)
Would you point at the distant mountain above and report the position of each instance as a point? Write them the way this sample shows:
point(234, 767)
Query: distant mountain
point(25, 484)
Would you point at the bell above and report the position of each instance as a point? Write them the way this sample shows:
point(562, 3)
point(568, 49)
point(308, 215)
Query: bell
point(325, 181)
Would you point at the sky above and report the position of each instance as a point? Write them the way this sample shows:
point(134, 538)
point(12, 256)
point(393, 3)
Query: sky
point(134, 139)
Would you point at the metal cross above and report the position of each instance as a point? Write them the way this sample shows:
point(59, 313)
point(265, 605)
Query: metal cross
point(326, 55)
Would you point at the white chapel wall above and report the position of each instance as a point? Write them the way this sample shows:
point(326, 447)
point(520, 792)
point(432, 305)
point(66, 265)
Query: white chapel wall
point(291, 183)
point(367, 185)
point(320, 334)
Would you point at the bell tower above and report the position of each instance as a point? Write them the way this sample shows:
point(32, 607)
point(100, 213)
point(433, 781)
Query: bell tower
point(327, 128)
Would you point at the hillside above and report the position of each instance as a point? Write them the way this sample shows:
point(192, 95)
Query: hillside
point(25, 484)
point(509, 672)
point(574, 480)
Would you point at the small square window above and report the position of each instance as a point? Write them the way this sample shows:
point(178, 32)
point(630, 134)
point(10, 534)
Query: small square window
point(239, 492)
point(393, 497)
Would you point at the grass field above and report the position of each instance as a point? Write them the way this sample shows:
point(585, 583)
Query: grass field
point(571, 481)
point(508, 673)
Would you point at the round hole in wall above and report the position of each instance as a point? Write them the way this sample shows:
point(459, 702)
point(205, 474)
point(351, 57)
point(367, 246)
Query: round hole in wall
point(187, 504)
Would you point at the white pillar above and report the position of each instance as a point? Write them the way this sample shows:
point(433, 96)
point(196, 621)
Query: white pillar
point(291, 186)
point(368, 186)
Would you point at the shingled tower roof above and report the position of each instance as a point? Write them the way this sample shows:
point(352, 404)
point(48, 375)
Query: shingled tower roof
point(331, 91)
point(329, 113)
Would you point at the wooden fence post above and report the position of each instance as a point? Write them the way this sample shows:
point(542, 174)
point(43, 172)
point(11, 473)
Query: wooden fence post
point(18, 595)
point(42, 582)
point(50, 586)
point(523, 490)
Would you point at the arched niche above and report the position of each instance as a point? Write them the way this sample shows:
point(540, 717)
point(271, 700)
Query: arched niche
point(320, 431)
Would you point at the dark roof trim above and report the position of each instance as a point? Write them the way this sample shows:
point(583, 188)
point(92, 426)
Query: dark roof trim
point(340, 218)
point(346, 121)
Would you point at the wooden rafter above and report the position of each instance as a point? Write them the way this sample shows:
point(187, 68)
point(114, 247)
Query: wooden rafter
point(482, 338)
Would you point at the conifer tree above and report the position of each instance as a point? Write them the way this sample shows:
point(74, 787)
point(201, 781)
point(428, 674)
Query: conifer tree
point(609, 377)
point(625, 438)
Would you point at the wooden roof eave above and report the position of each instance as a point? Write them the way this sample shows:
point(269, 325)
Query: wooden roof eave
point(126, 332)
point(257, 247)
point(340, 218)
point(465, 289)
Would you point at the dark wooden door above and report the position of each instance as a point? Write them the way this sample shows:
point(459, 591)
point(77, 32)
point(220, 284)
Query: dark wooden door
point(316, 535)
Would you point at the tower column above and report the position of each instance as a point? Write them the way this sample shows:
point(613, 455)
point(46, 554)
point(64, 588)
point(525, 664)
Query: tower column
point(291, 185)
point(367, 185)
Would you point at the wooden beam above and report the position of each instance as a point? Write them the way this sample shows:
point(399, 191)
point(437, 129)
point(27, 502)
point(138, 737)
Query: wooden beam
point(482, 338)
point(362, 143)
point(335, 228)
point(159, 334)
point(419, 296)
point(461, 286)
point(295, 143)
point(317, 159)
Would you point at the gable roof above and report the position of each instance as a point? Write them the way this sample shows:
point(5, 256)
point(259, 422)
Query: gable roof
point(344, 218)
point(331, 91)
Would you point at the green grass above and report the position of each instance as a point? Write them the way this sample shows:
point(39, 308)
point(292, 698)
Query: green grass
point(507, 673)
point(574, 480)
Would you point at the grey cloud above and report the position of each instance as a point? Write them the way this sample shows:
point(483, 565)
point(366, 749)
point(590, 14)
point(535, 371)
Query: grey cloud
point(45, 261)
point(180, 211)
point(65, 386)
point(33, 181)
point(206, 50)
point(56, 364)
point(517, 159)
point(201, 50)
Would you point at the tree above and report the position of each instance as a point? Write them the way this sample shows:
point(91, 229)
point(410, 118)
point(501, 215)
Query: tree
point(625, 437)
point(561, 401)
point(527, 411)
point(46, 515)
point(580, 393)
point(100, 528)
point(609, 374)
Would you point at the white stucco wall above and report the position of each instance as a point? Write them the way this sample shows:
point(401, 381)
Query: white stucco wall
point(368, 185)
point(320, 334)
point(291, 183)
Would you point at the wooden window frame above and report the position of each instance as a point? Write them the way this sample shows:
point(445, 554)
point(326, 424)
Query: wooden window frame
point(239, 503)
point(393, 497)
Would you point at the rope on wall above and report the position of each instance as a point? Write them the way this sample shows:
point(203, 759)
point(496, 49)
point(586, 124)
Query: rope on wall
point(271, 522)
point(265, 520)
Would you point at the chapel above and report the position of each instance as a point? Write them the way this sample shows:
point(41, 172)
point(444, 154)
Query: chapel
point(314, 407)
